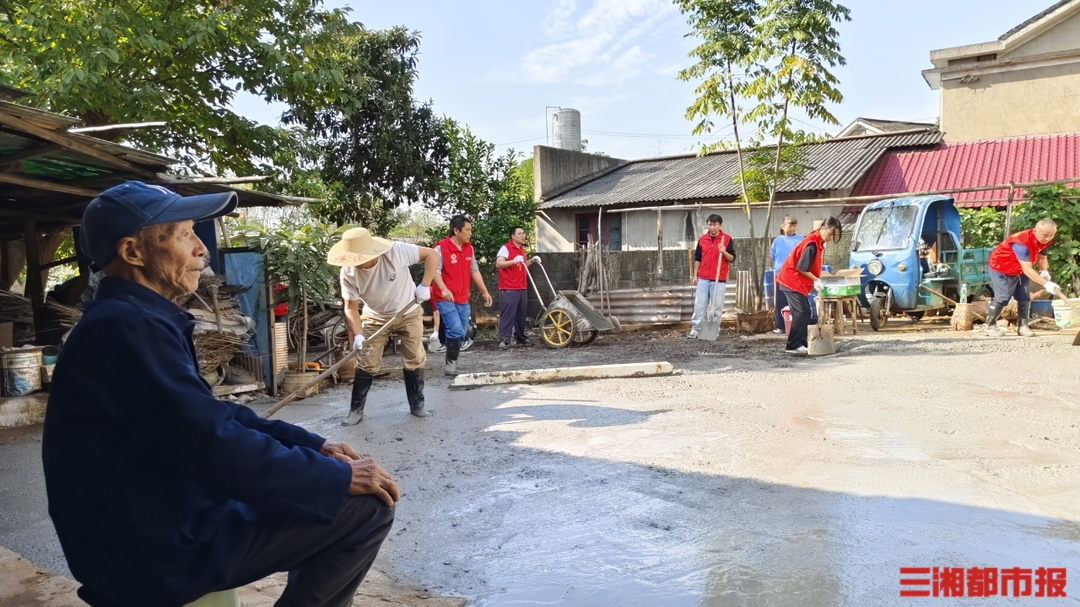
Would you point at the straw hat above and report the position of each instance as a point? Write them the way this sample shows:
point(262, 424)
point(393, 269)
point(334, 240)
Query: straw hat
point(357, 247)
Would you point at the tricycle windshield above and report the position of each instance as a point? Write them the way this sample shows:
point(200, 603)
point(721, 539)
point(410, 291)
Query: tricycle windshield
point(885, 228)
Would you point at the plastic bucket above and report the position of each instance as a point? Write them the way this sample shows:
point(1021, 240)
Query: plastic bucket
point(1063, 314)
point(1043, 308)
point(786, 313)
point(21, 372)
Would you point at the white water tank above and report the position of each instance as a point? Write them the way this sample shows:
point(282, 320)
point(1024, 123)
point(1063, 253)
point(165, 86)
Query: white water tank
point(566, 124)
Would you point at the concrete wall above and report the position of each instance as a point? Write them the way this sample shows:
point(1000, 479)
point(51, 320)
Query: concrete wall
point(554, 168)
point(1038, 101)
point(1065, 36)
point(555, 231)
point(1024, 101)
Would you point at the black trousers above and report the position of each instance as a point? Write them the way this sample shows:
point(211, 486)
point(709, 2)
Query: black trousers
point(779, 301)
point(326, 563)
point(512, 312)
point(800, 318)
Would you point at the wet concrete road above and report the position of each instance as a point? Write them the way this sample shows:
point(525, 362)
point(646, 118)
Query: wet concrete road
point(741, 481)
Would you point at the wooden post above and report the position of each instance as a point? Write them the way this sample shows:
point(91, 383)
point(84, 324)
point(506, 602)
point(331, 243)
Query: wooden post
point(1008, 209)
point(659, 242)
point(35, 288)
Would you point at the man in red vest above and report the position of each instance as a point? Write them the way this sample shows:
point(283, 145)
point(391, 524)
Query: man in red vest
point(457, 268)
point(799, 275)
point(714, 250)
point(513, 288)
point(1012, 270)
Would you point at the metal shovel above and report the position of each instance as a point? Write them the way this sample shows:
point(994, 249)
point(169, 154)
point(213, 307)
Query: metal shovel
point(710, 325)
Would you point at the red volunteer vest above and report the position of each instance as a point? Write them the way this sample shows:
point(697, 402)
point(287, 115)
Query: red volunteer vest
point(513, 278)
point(456, 270)
point(794, 279)
point(710, 256)
point(1002, 258)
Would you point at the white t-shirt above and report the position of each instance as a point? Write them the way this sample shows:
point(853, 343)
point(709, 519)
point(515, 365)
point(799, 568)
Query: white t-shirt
point(386, 288)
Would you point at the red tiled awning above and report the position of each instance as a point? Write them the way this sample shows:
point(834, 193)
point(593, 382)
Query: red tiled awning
point(973, 164)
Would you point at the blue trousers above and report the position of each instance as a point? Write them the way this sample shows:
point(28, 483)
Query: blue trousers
point(512, 311)
point(455, 317)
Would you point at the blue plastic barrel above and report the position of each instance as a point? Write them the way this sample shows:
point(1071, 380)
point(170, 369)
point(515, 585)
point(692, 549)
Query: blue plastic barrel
point(769, 286)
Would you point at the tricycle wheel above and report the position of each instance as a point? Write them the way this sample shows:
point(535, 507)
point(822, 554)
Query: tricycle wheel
point(916, 316)
point(586, 337)
point(878, 314)
point(557, 328)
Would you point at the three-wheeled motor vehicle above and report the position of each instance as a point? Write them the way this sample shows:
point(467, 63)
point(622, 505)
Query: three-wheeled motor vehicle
point(905, 244)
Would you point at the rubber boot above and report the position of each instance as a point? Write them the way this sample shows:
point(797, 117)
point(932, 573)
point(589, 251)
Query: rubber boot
point(1023, 317)
point(992, 315)
point(414, 391)
point(360, 386)
point(453, 348)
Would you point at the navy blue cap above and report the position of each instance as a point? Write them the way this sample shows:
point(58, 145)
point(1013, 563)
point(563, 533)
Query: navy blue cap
point(123, 210)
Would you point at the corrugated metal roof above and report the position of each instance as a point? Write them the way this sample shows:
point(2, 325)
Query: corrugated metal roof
point(976, 163)
point(834, 164)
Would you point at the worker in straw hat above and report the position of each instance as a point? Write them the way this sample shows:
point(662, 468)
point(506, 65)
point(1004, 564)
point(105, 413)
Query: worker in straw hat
point(376, 271)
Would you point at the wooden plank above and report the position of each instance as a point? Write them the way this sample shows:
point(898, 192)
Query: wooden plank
point(41, 150)
point(226, 390)
point(531, 376)
point(72, 143)
point(41, 184)
point(35, 286)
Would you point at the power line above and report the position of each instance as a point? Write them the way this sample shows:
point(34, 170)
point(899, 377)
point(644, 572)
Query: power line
point(524, 140)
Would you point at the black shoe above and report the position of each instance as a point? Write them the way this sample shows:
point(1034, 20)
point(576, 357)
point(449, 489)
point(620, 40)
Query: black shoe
point(414, 391)
point(524, 343)
point(361, 385)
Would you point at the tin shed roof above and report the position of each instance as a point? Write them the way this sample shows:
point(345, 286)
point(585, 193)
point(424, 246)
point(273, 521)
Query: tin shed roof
point(834, 164)
point(976, 163)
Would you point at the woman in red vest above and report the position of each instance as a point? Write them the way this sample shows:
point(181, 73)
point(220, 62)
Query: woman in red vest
point(1011, 271)
point(799, 275)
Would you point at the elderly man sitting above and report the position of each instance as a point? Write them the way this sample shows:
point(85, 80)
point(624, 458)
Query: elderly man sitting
point(161, 493)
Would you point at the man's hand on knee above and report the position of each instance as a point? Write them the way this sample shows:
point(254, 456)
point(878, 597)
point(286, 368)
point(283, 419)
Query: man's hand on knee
point(341, 451)
point(368, 478)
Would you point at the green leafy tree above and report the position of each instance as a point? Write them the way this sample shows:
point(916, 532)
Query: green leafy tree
point(495, 192)
point(981, 227)
point(1063, 206)
point(796, 43)
point(114, 62)
point(380, 148)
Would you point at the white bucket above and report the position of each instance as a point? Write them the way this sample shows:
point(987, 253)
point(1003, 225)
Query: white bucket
point(1063, 314)
point(22, 372)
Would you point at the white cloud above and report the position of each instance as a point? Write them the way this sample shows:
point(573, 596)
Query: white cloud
point(596, 46)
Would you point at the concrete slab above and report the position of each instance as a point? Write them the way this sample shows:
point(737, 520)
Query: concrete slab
point(533, 376)
point(16, 411)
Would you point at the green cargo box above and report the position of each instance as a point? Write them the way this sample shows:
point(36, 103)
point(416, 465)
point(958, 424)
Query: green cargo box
point(840, 290)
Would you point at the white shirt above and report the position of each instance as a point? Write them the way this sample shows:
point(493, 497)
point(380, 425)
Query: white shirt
point(386, 288)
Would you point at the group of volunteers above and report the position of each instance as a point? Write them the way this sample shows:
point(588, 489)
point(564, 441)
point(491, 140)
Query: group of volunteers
point(376, 272)
point(797, 262)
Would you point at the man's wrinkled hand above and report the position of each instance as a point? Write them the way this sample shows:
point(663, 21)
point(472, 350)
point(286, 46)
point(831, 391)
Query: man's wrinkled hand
point(339, 450)
point(368, 478)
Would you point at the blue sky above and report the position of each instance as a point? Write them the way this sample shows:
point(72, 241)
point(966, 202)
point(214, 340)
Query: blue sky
point(495, 64)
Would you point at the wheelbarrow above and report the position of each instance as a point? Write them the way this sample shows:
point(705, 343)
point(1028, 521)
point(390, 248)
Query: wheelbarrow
point(568, 317)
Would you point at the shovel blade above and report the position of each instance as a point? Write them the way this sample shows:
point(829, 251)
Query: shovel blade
point(1076, 340)
point(709, 329)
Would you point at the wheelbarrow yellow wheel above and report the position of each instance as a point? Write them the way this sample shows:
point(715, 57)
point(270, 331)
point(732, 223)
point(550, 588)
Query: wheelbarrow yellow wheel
point(557, 328)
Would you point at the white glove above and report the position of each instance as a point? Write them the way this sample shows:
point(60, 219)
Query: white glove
point(536, 259)
point(358, 342)
point(818, 286)
point(519, 259)
point(1052, 288)
point(422, 293)
point(1045, 275)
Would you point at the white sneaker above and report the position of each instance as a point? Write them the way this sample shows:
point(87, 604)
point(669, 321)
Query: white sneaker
point(693, 335)
point(800, 351)
point(778, 331)
point(465, 345)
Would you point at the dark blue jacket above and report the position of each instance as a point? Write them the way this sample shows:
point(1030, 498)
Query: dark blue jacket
point(145, 468)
